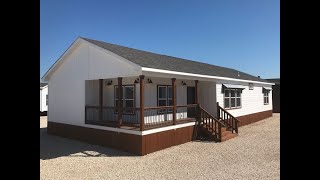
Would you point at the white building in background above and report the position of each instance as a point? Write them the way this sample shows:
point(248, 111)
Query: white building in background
point(43, 97)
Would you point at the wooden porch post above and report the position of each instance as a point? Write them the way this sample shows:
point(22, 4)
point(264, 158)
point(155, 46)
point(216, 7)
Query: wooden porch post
point(174, 98)
point(196, 91)
point(198, 116)
point(100, 98)
point(120, 109)
point(141, 102)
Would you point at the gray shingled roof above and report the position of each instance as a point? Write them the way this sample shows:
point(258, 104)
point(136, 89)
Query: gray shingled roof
point(43, 84)
point(158, 61)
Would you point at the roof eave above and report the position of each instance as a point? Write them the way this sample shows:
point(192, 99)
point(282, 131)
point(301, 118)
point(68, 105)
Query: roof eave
point(47, 75)
point(201, 75)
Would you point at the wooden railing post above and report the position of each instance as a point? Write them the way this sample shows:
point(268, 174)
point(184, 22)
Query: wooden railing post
point(141, 102)
point(100, 98)
point(174, 98)
point(218, 111)
point(236, 129)
point(120, 104)
point(198, 114)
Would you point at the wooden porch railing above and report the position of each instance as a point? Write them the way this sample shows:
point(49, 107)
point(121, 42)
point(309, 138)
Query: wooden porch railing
point(153, 116)
point(227, 119)
point(163, 115)
point(206, 120)
point(158, 116)
point(110, 116)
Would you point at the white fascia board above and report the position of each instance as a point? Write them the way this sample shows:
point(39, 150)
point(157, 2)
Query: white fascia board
point(71, 47)
point(44, 87)
point(200, 75)
point(47, 75)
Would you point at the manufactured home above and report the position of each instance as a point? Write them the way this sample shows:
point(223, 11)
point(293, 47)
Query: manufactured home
point(43, 98)
point(142, 102)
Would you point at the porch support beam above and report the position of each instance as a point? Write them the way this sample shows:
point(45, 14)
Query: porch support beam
point(141, 102)
point(174, 99)
point(196, 91)
point(120, 104)
point(100, 98)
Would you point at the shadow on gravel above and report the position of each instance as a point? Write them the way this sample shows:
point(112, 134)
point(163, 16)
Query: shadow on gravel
point(54, 146)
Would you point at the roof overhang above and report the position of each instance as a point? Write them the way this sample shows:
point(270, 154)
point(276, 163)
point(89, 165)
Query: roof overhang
point(71, 48)
point(43, 87)
point(233, 86)
point(146, 69)
point(47, 75)
point(267, 88)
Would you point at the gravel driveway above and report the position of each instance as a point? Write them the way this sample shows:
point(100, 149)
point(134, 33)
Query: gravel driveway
point(254, 154)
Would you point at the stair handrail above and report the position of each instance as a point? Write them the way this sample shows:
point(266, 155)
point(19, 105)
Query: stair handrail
point(210, 121)
point(228, 119)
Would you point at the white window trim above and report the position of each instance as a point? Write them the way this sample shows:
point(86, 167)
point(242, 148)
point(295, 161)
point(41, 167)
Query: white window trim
point(235, 97)
point(124, 97)
point(266, 96)
point(167, 99)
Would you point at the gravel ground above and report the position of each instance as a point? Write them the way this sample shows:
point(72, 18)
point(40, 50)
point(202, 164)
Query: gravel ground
point(254, 154)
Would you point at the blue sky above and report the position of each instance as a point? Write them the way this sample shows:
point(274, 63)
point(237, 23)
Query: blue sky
point(244, 35)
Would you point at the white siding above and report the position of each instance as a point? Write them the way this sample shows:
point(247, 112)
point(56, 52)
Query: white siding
point(207, 96)
point(251, 100)
point(43, 105)
point(92, 92)
point(67, 84)
point(151, 98)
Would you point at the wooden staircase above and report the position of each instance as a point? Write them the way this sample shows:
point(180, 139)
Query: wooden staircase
point(217, 129)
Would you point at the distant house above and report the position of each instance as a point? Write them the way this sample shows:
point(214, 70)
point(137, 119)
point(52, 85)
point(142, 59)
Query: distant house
point(142, 102)
point(275, 94)
point(43, 98)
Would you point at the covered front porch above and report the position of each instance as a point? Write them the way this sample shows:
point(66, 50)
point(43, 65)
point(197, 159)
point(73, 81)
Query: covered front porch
point(141, 103)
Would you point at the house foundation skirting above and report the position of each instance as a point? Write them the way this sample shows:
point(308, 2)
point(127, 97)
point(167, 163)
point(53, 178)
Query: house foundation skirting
point(136, 144)
point(139, 144)
point(252, 118)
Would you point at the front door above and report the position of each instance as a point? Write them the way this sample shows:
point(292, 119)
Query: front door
point(191, 100)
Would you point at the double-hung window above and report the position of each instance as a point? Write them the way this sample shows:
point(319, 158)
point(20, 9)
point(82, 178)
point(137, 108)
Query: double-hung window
point(266, 91)
point(266, 97)
point(128, 98)
point(165, 98)
point(232, 98)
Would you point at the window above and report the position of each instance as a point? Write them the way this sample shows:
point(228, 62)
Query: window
point(250, 86)
point(128, 98)
point(266, 97)
point(47, 98)
point(232, 98)
point(165, 98)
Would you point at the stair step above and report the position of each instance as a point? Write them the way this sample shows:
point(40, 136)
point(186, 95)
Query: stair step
point(209, 127)
point(229, 136)
point(225, 133)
